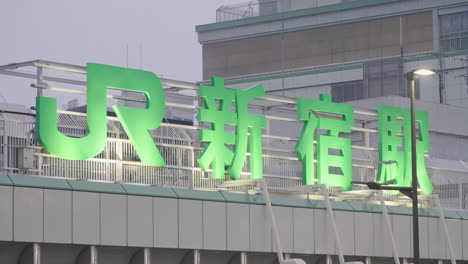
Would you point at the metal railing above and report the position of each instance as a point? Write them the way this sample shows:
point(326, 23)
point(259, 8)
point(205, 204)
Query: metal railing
point(180, 147)
point(267, 7)
point(119, 162)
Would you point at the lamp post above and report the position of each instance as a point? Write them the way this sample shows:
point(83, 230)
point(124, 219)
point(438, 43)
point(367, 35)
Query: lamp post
point(412, 191)
point(411, 77)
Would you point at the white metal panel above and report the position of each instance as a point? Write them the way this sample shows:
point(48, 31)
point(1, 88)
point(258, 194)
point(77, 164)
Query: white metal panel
point(382, 240)
point(28, 214)
point(284, 221)
point(113, 219)
point(190, 224)
point(140, 221)
point(423, 237)
point(260, 229)
point(455, 232)
point(401, 228)
point(86, 219)
point(465, 239)
point(57, 216)
point(363, 231)
point(304, 231)
point(345, 226)
point(214, 225)
point(324, 239)
point(238, 227)
point(436, 239)
point(166, 222)
point(6, 213)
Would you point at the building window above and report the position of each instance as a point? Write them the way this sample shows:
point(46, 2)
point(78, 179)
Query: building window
point(454, 32)
point(347, 91)
point(382, 77)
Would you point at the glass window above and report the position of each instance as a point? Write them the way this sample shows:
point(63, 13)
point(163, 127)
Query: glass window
point(455, 23)
point(383, 77)
point(455, 44)
point(453, 30)
point(444, 24)
point(445, 45)
point(347, 91)
point(464, 22)
point(464, 43)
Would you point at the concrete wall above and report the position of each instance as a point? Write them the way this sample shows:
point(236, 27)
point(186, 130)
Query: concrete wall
point(79, 219)
point(318, 46)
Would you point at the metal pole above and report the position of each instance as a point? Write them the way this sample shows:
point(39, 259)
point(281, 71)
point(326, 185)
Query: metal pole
point(243, 258)
point(266, 194)
point(93, 252)
point(196, 256)
point(444, 226)
point(326, 195)
point(368, 260)
point(414, 178)
point(146, 256)
point(40, 80)
point(36, 253)
point(396, 256)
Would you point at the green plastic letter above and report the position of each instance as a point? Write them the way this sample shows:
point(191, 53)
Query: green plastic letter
point(136, 122)
point(328, 164)
point(392, 166)
point(252, 124)
point(396, 164)
point(216, 153)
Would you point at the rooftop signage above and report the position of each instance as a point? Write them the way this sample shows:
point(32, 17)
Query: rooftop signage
point(326, 157)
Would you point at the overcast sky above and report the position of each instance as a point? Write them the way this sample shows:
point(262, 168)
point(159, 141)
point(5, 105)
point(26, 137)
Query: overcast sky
point(83, 31)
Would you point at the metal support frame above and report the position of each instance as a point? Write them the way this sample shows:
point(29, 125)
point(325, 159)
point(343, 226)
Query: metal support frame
point(93, 254)
point(36, 253)
point(243, 257)
point(443, 223)
point(279, 250)
point(146, 256)
point(368, 260)
point(396, 256)
point(335, 230)
point(196, 256)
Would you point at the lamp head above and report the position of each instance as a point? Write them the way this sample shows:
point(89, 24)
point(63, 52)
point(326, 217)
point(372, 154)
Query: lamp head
point(414, 74)
point(424, 72)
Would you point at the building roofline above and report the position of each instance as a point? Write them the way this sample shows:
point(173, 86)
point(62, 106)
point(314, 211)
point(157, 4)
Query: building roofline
point(291, 14)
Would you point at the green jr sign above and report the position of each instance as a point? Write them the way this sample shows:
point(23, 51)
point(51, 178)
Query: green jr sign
point(312, 147)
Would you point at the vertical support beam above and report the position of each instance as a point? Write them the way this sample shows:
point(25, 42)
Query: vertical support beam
point(265, 113)
point(146, 256)
point(93, 254)
point(196, 256)
point(5, 145)
point(414, 171)
point(328, 259)
point(243, 257)
point(40, 80)
point(405, 261)
point(335, 230)
point(389, 227)
point(444, 226)
point(36, 253)
point(266, 194)
point(119, 165)
point(368, 260)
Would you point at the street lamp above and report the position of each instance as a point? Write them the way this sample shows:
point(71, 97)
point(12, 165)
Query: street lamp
point(412, 191)
point(411, 77)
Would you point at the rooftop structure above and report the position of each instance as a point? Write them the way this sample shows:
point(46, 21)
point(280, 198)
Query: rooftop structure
point(99, 210)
